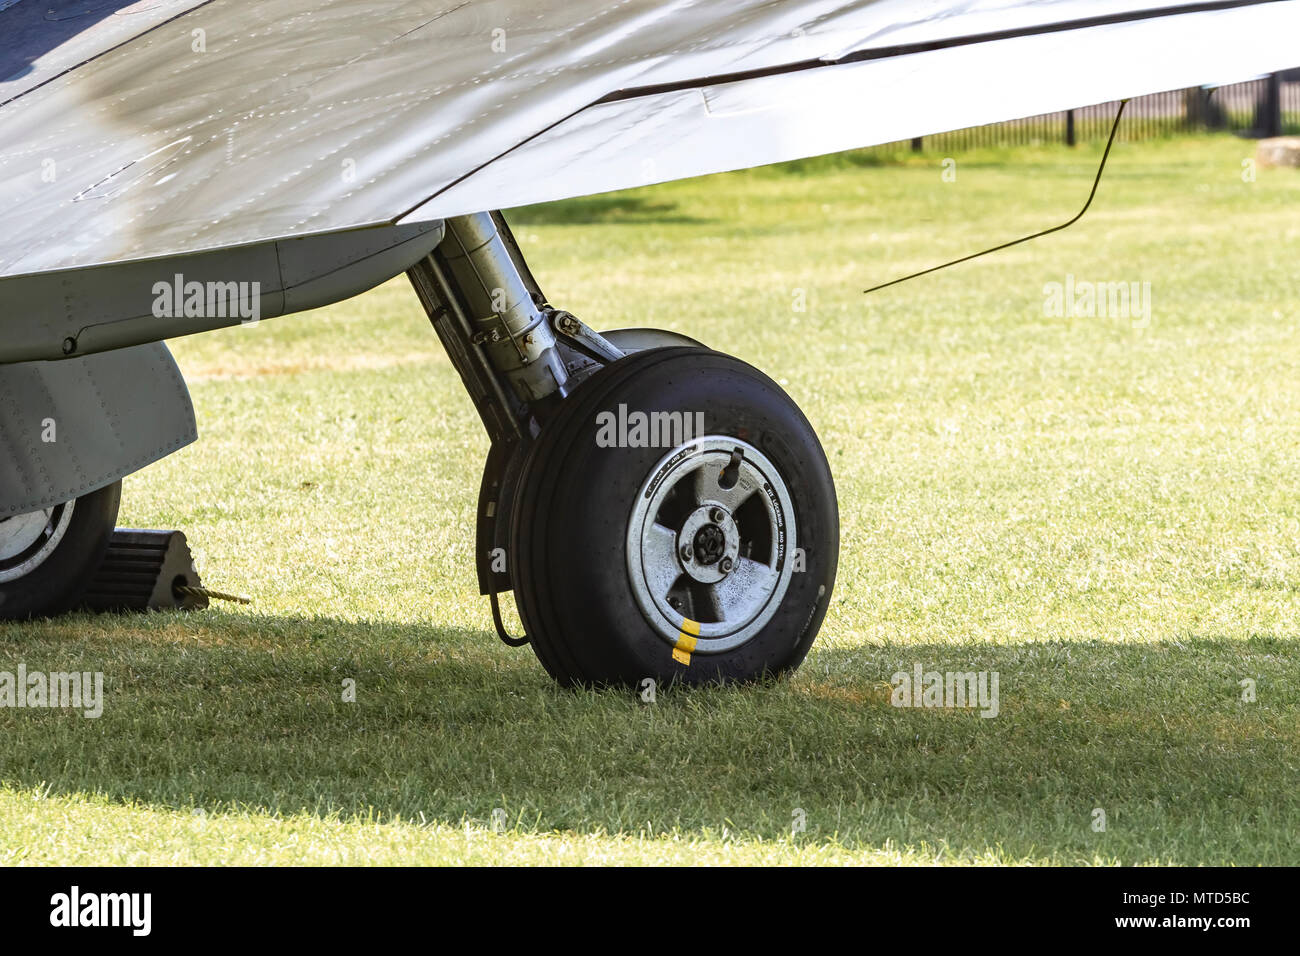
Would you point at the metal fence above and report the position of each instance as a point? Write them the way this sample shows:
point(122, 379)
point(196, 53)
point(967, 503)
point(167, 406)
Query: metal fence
point(1269, 106)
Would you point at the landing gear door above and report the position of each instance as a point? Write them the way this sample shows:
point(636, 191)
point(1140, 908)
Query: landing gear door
point(68, 428)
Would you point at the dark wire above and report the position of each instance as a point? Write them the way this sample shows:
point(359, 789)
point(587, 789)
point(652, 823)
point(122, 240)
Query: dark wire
point(1015, 242)
point(502, 633)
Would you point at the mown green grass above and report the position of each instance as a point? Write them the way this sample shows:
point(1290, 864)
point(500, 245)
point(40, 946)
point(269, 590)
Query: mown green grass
point(1106, 515)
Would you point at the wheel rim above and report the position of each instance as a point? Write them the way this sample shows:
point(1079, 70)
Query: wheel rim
point(27, 540)
point(709, 542)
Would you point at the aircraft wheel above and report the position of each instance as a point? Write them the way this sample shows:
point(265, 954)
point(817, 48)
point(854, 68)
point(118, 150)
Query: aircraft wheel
point(48, 557)
point(696, 546)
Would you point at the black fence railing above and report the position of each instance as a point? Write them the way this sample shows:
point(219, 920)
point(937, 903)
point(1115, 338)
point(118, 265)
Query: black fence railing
point(1269, 106)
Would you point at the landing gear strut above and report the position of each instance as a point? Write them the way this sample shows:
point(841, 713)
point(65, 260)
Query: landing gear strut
point(663, 510)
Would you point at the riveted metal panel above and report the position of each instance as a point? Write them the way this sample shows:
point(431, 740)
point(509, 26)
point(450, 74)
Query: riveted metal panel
point(69, 428)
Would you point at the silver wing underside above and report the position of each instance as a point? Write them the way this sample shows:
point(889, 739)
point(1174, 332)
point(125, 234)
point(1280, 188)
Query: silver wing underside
point(155, 129)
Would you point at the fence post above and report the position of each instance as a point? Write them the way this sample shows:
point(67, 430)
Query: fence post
point(1202, 109)
point(1069, 128)
point(916, 145)
point(1272, 125)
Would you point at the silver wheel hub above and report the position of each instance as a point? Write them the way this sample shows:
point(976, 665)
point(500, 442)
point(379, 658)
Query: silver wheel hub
point(27, 540)
point(709, 542)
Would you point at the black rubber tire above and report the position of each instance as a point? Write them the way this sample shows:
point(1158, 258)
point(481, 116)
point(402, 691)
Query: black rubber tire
point(59, 581)
point(574, 501)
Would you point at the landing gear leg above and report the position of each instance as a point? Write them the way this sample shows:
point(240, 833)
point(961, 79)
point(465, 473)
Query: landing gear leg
point(661, 510)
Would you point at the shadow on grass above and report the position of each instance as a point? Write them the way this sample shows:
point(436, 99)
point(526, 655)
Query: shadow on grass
point(227, 711)
point(591, 210)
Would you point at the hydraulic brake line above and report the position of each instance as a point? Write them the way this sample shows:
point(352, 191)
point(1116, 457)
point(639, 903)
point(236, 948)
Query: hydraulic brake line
point(1015, 242)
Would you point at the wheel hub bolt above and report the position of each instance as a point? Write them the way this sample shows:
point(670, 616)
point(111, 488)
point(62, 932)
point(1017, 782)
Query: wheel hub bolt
point(710, 544)
point(717, 515)
point(686, 552)
point(725, 565)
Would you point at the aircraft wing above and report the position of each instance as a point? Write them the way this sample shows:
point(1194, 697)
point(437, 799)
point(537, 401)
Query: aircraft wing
point(169, 127)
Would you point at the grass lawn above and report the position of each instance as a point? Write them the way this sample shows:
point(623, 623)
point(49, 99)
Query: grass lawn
point(1103, 510)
